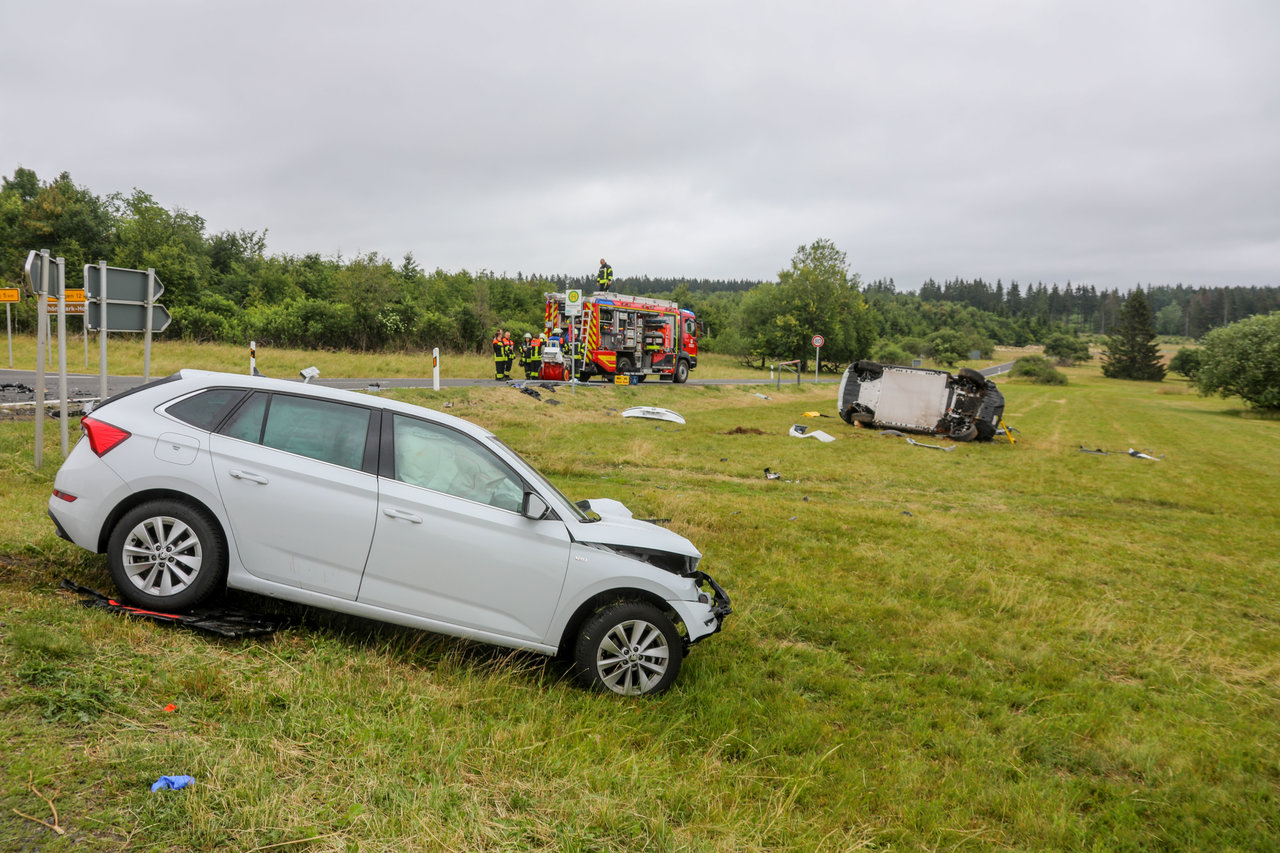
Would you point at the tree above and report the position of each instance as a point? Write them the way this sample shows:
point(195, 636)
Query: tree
point(816, 296)
point(1243, 360)
point(1066, 349)
point(1131, 348)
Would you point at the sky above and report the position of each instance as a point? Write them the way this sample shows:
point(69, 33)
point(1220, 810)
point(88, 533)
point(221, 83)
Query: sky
point(1112, 143)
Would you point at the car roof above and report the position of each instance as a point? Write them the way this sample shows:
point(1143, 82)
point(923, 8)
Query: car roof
point(193, 379)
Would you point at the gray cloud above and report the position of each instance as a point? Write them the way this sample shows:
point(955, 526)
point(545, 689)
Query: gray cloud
point(1111, 143)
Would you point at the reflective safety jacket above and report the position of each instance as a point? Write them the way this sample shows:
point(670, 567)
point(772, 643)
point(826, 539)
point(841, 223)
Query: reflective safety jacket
point(604, 279)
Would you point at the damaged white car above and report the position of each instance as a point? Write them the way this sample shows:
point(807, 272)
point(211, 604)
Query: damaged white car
point(380, 509)
point(964, 407)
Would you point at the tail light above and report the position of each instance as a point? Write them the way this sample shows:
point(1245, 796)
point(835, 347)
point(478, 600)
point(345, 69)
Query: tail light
point(102, 435)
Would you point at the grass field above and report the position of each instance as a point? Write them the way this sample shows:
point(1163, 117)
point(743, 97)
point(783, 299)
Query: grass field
point(1004, 647)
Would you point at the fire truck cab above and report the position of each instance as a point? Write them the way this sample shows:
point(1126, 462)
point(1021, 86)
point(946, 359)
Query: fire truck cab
point(618, 334)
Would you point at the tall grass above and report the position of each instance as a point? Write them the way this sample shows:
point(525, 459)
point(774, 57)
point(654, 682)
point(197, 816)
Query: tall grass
point(1007, 646)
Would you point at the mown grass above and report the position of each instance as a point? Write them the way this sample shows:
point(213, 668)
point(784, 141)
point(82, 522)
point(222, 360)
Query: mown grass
point(1001, 647)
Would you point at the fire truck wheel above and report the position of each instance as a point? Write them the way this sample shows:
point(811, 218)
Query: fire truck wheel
point(682, 371)
point(623, 365)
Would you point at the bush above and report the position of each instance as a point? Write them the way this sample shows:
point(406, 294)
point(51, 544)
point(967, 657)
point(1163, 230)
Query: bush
point(887, 352)
point(1038, 369)
point(1187, 362)
point(1066, 349)
point(1243, 360)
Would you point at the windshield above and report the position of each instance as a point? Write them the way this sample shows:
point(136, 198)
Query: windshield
point(546, 486)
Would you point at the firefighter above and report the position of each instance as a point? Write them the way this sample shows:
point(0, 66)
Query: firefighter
point(508, 354)
point(604, 278)
point(499, 356)
point(531, 356)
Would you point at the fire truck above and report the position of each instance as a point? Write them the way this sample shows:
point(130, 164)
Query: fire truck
point(617, 334)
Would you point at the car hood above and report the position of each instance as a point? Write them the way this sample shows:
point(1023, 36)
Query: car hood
point(617, 527)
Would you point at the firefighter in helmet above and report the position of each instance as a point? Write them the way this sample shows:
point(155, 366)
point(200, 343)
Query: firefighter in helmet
point(499, 356)
point(531, 356)
point(508, 355)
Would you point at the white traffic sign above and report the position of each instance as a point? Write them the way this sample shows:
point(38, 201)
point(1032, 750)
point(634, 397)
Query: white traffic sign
point(818, 340)
point(573, 303)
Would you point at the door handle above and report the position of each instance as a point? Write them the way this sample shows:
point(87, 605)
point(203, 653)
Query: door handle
point(248, 475)
point(401, 514)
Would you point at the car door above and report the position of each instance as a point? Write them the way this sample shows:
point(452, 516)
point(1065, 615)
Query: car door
point(450, 542)
point(297, 478)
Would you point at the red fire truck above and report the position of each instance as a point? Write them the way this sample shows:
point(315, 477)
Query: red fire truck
point(617, 334)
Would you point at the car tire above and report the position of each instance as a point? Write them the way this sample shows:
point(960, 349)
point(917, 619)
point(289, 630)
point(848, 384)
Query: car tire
point(971, 375)
point(986, 431)
point(868, 370)
point(682, 372)
point(630, 648)
point(965, 434)
point(166, 555)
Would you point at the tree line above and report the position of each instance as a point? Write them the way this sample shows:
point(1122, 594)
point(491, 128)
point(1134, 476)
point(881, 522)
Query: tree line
point(225, 287)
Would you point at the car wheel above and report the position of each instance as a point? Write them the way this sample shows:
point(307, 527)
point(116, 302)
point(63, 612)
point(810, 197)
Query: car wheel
point(166, 554)
point(973, 376)
point(682, 372)
point(868, 369)
point(967, 434)
point(631, 648)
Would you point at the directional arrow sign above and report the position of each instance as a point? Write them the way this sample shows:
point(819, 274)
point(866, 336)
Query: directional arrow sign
point(126, 317)
point(122, 285)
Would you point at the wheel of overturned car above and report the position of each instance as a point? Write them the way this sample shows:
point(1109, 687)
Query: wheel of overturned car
point(971, 375)
point(166, 555)
point(682, 372)
point(630, 648)
point(868, 369)
point(967, 434)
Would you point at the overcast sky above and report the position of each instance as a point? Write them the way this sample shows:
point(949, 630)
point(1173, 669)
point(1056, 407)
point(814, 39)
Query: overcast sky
point(1110, 143)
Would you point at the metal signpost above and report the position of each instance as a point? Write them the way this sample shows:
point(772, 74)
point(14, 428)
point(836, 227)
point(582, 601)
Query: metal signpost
point(9, 295)
point(131, 295)
point(818, 341)
point(573, 309)
point(46, 277)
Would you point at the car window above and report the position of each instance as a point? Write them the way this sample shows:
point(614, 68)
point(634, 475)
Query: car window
point(206, 409)
point(438, 458)
point(318, 429)
point(246, 423)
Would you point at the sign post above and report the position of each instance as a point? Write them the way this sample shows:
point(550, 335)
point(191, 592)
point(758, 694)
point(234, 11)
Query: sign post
point(573, 308)
point(47, 276)
point(818, 341)
point(9, 295)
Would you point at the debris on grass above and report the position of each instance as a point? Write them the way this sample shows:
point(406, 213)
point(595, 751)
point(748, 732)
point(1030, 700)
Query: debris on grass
point(801, 431)
point(171, 783)
point(912, 441)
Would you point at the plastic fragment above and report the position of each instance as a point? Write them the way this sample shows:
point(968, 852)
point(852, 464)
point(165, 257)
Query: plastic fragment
point(171, 783)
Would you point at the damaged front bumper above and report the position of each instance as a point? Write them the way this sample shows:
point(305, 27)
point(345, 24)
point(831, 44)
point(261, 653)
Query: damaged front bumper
point(705, 616)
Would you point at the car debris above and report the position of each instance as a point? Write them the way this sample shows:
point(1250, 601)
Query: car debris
point(654, 412)
point(222, 621)
point(801, 431)
point(947, 449)
point(964, 407)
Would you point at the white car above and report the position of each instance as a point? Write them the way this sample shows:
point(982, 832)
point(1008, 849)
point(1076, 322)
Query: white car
point(380, 509)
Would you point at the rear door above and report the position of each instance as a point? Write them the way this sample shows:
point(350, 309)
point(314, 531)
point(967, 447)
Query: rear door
point(297, 479)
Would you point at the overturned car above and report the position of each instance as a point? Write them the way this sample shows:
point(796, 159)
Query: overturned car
point(965, 406)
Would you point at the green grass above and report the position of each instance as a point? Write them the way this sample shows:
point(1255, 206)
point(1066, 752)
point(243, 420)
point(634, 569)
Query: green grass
point(1004, 647)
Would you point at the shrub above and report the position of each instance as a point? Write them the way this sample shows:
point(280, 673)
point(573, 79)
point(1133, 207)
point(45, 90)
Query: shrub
point(1066, 349)
point(1038, 369)
point(887, 352)
point(1187, 362)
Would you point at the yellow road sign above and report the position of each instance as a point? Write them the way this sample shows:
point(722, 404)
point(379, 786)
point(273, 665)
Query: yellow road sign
point(10, 294)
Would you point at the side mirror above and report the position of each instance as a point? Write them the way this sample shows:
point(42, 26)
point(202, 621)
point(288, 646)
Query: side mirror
point(534, 506)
